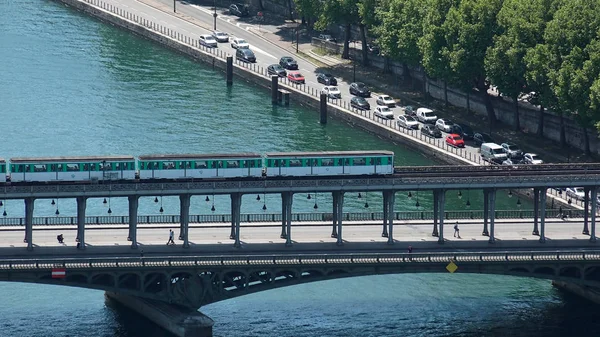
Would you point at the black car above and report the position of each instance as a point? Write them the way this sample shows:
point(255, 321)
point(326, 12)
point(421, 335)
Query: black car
point(276, 69)
point(326, 79)
point(288, 62)
point(239, 10)
point(360, 103)
point(462, 129)
point(245, 55)
point(430, 130)
point(480, 138)
point(359, 89)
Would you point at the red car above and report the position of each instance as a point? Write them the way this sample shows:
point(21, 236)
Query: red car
point(295, 77)
point(455, 140)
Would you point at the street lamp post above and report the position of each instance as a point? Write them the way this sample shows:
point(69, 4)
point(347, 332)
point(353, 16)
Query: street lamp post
point(297, 39)
point(215, 16)
point(353, 61)
point(174, 9)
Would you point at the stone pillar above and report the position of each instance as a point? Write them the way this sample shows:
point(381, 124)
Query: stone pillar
point(236, 214)
point(543, 214)
point(323, 109)
point(229, 71)
point(274, 88)
point(283, 216)
point(390, 216)
point(288, 218)
point(492, 210)
point(594, 208)
point(441, 204)
point(586, 210)
point(386, 201)
point(436, 205)
point(133, 213)
point(29, 222)
point(81, 205)
point(536, 210)
point(233, 222)
point(184, 219)
point(486, 205)
point(334, 233)
point(340, 211)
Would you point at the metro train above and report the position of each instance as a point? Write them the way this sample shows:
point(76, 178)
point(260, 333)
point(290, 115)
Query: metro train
point(197, 166)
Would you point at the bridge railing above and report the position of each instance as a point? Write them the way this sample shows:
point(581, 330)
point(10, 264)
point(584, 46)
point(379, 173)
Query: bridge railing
point(300, 259)
point(276, 217)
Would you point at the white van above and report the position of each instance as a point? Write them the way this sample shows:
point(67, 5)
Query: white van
point(425, 115)
point(492, 152)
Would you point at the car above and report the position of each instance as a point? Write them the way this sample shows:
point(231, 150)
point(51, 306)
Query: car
point(327, 37)
point(455, 140)
point(220, 36)
point(384, 112)
point(295, 77)
point(239, 43)
point(532, 158)
point(276, 69)
point(462, 129)
point(245, 55)
point(407, 122)
point(444, 124)
point(512, 150)
point(288, 62)
point(509, 161)
point(332, 91)
point(359, 89)
point(208, 41)
point(431, 131)
point(239, 10)
point(360, 103)
point(386, 100)
point(326, 79)
point(577, 193)
point(409, 110)
point(373, 48)
point(480, 138)
point(425, 115)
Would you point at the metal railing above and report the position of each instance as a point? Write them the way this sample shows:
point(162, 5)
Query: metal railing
point(301, 259)
point(276, 217)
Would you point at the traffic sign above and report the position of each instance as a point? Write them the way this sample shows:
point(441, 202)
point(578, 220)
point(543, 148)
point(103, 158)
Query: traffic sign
point(59, 273)
point(451, 267)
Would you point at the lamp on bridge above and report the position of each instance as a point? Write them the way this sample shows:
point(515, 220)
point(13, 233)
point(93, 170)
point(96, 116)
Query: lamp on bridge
point(409, 195)
point(459, 194)
point(155, 199)
point(519, 202)
point(1, 203)
point(264, 208)
point(359, 195)
point(212, 208)
point(161, 210)
point(308, 196)
point(207, 199)
point(109, 209)
point(366, 199)
point(510, 193)
point(105, 202)
point(258, 197)
point(52, 203)
point(468, 204)
point(417, 204)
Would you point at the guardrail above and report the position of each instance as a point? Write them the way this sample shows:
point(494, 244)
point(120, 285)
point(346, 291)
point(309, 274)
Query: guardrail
point(276, 217)
point(300, 259)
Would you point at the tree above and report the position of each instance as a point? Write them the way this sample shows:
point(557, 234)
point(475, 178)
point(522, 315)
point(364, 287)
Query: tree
point(366, 10)
point(344, 12)
point(309, 10)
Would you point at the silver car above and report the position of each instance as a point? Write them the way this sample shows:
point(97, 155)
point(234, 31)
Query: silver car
point(407, 122)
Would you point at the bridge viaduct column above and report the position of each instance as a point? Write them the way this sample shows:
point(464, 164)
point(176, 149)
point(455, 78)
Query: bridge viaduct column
point(486, 205)
point(340, 210)
point(492, 211)
point(29, 222)
point(288, 217)
point(594, 208)
point(440, 214)
point(536, 211)
point(543, 191)
point(436, 200)
point(586, 210)
point(184, 219)
point(233, 222)
point(236, 209)
point(386, 202)
point(81, 205)
point(283, 215)
point(334, 233)
point(133, 213)
point(390, 216)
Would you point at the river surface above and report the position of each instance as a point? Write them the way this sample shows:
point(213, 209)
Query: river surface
point(70, 85)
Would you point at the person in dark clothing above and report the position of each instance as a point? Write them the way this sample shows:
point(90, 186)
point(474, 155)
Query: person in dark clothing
point(170, 238)
point(60, 238)
point(456, 231)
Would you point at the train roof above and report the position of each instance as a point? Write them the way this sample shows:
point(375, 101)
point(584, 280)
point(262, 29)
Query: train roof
point(329, 154)
point(75, 159)
point(199, 156)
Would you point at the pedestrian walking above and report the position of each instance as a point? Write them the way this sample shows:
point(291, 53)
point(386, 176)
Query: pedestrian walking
point(170, 238)
point(456, 230)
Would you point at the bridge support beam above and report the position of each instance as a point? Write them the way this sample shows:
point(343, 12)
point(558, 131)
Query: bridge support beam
point(339, 196)
point(184, 219)
point(390, 216)
point(586, 211)
point(81, 205)
point(334, 212)
point(440, 214)
point(492, 211)
point(486, 208)
point(594, 208)
point(436, 200)
point(536, 211)
point(236, 209)
point(283, 216)
point(543, 192)
point(386, 202)
point(133, 214)
point(29, 222)
point(289, 199)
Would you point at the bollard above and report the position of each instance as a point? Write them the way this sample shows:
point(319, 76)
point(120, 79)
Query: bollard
point(323, 109)
point(286, 100)
point(229, 70)
point(274, 88)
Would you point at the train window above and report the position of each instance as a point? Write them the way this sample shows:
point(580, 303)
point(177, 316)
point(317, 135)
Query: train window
point(39, 168)
point(59, 167)
point(276, 163)
point(314, 162)
point(72, 167)
point(86, 167)
point(168, 165)
point(245, 163)
point(378, 161)
point(327, 162)
point(201, 165)
point(358, 161)
point(346, 162)
point(186, 164)
point(104, 166)
point(295, 162)
point(232, 164)
point(220, 164)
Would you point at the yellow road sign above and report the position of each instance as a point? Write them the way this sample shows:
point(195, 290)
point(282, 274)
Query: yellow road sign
point(451, 267)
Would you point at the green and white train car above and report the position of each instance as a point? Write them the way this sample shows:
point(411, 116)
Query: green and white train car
point(72, 168)
point(329, 163)
point(176, 166)
point(3, 172)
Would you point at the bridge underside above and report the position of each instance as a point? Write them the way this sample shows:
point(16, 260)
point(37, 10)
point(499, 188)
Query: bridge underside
point(193, 287)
